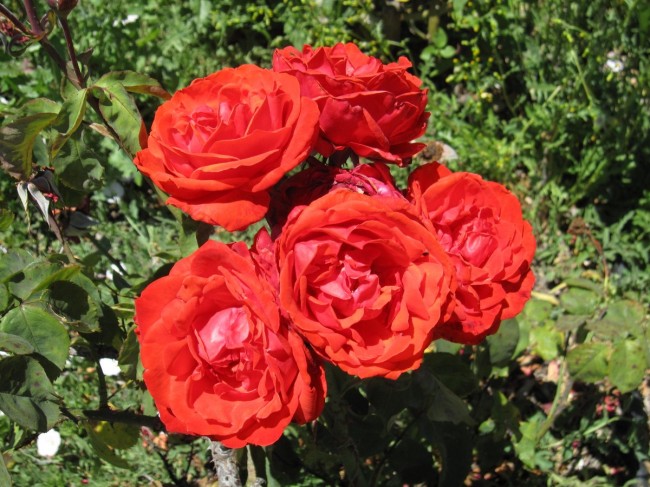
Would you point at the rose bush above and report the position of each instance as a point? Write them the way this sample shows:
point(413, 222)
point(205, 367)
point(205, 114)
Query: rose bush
point(364, 280)
point(480, 225)
point(218, 360)
point(217, 146)
point(375, 109)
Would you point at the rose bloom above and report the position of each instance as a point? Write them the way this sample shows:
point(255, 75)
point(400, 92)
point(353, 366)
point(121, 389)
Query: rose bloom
point(218, 360)
point(480, 225)
point(217, 146)
point(317, 180)
point(375, 109)
point(364, 280)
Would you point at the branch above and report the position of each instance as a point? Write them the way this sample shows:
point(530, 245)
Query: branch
point(14, 20)
point(37, 28)
point(126, 417)
point(225, 465)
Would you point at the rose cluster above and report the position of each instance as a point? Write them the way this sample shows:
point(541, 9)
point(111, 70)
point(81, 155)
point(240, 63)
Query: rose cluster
point(355, 271)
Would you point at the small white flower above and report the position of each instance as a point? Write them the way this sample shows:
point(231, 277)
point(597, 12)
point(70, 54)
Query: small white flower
point(128, 20)
point(109, 366)
point(614, 65)
point(48, 443)
point(4, 101)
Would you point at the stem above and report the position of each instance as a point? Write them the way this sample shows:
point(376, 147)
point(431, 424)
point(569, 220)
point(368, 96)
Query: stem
point(13, 19)
point(126, 417)
point(37, 29)
point(71, 51)
point(225, 465)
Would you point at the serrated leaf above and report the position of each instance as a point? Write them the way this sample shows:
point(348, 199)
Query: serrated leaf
point(588, 362)
point(15, 344)
point(44, 332)
point(447, 406)
point(129, 357)
point(546, 341)
point(72, 304)
point(454, 444)
point(578, 301)
point(452, 371)
point(570, 322)
point(17, 143)
point(412, 461)
point(504, 342)
point(627, 365)
point(36, 277)
point(13, 262)
point(26, 393)
point(6, 219)
point(135, 83)
point(102, 449)
point(68, 120)
point(4, 297)
point(5, 479)
point(121, 113)
point(39, 105)
point(627, 315)
point(77, 167)
point(119, 436)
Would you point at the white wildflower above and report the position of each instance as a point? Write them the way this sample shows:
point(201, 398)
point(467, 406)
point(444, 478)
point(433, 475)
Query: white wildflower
point(109, 366)
point(48, 443)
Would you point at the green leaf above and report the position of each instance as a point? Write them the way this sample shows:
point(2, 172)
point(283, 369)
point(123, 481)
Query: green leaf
point(68, 120)
point(70, 302)
point(121, 113)
point(447, 406)
point(454, 445)
point(626, 316)
point(36, 277)
point(15, 344)
point(17, 143)
point(129, 358)
point(78, 168)
point(44, 332)
point(588, 362)
point(504, 343)
point(452, 371)
point(627, 365)
point(119, 436)
point(546, 341)
point(5, 479)
point(26, 393)
point(104, 451)
point(134, 83)
point(6, 219)
point(412, 461)
point(14, 262)
point(577, 301)
point(4, 297)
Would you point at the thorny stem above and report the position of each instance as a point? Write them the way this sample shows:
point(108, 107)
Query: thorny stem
point(111, 416)
point(225, 465)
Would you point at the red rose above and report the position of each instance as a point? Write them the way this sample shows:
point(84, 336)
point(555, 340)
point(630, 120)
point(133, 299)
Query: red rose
point(375, 109)
point(480, 225)
point(364, 281)
point(218, 360)
point(317, 180)
point(218, 145)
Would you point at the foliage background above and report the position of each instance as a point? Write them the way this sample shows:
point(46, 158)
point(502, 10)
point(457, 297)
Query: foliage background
point(550, 98)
